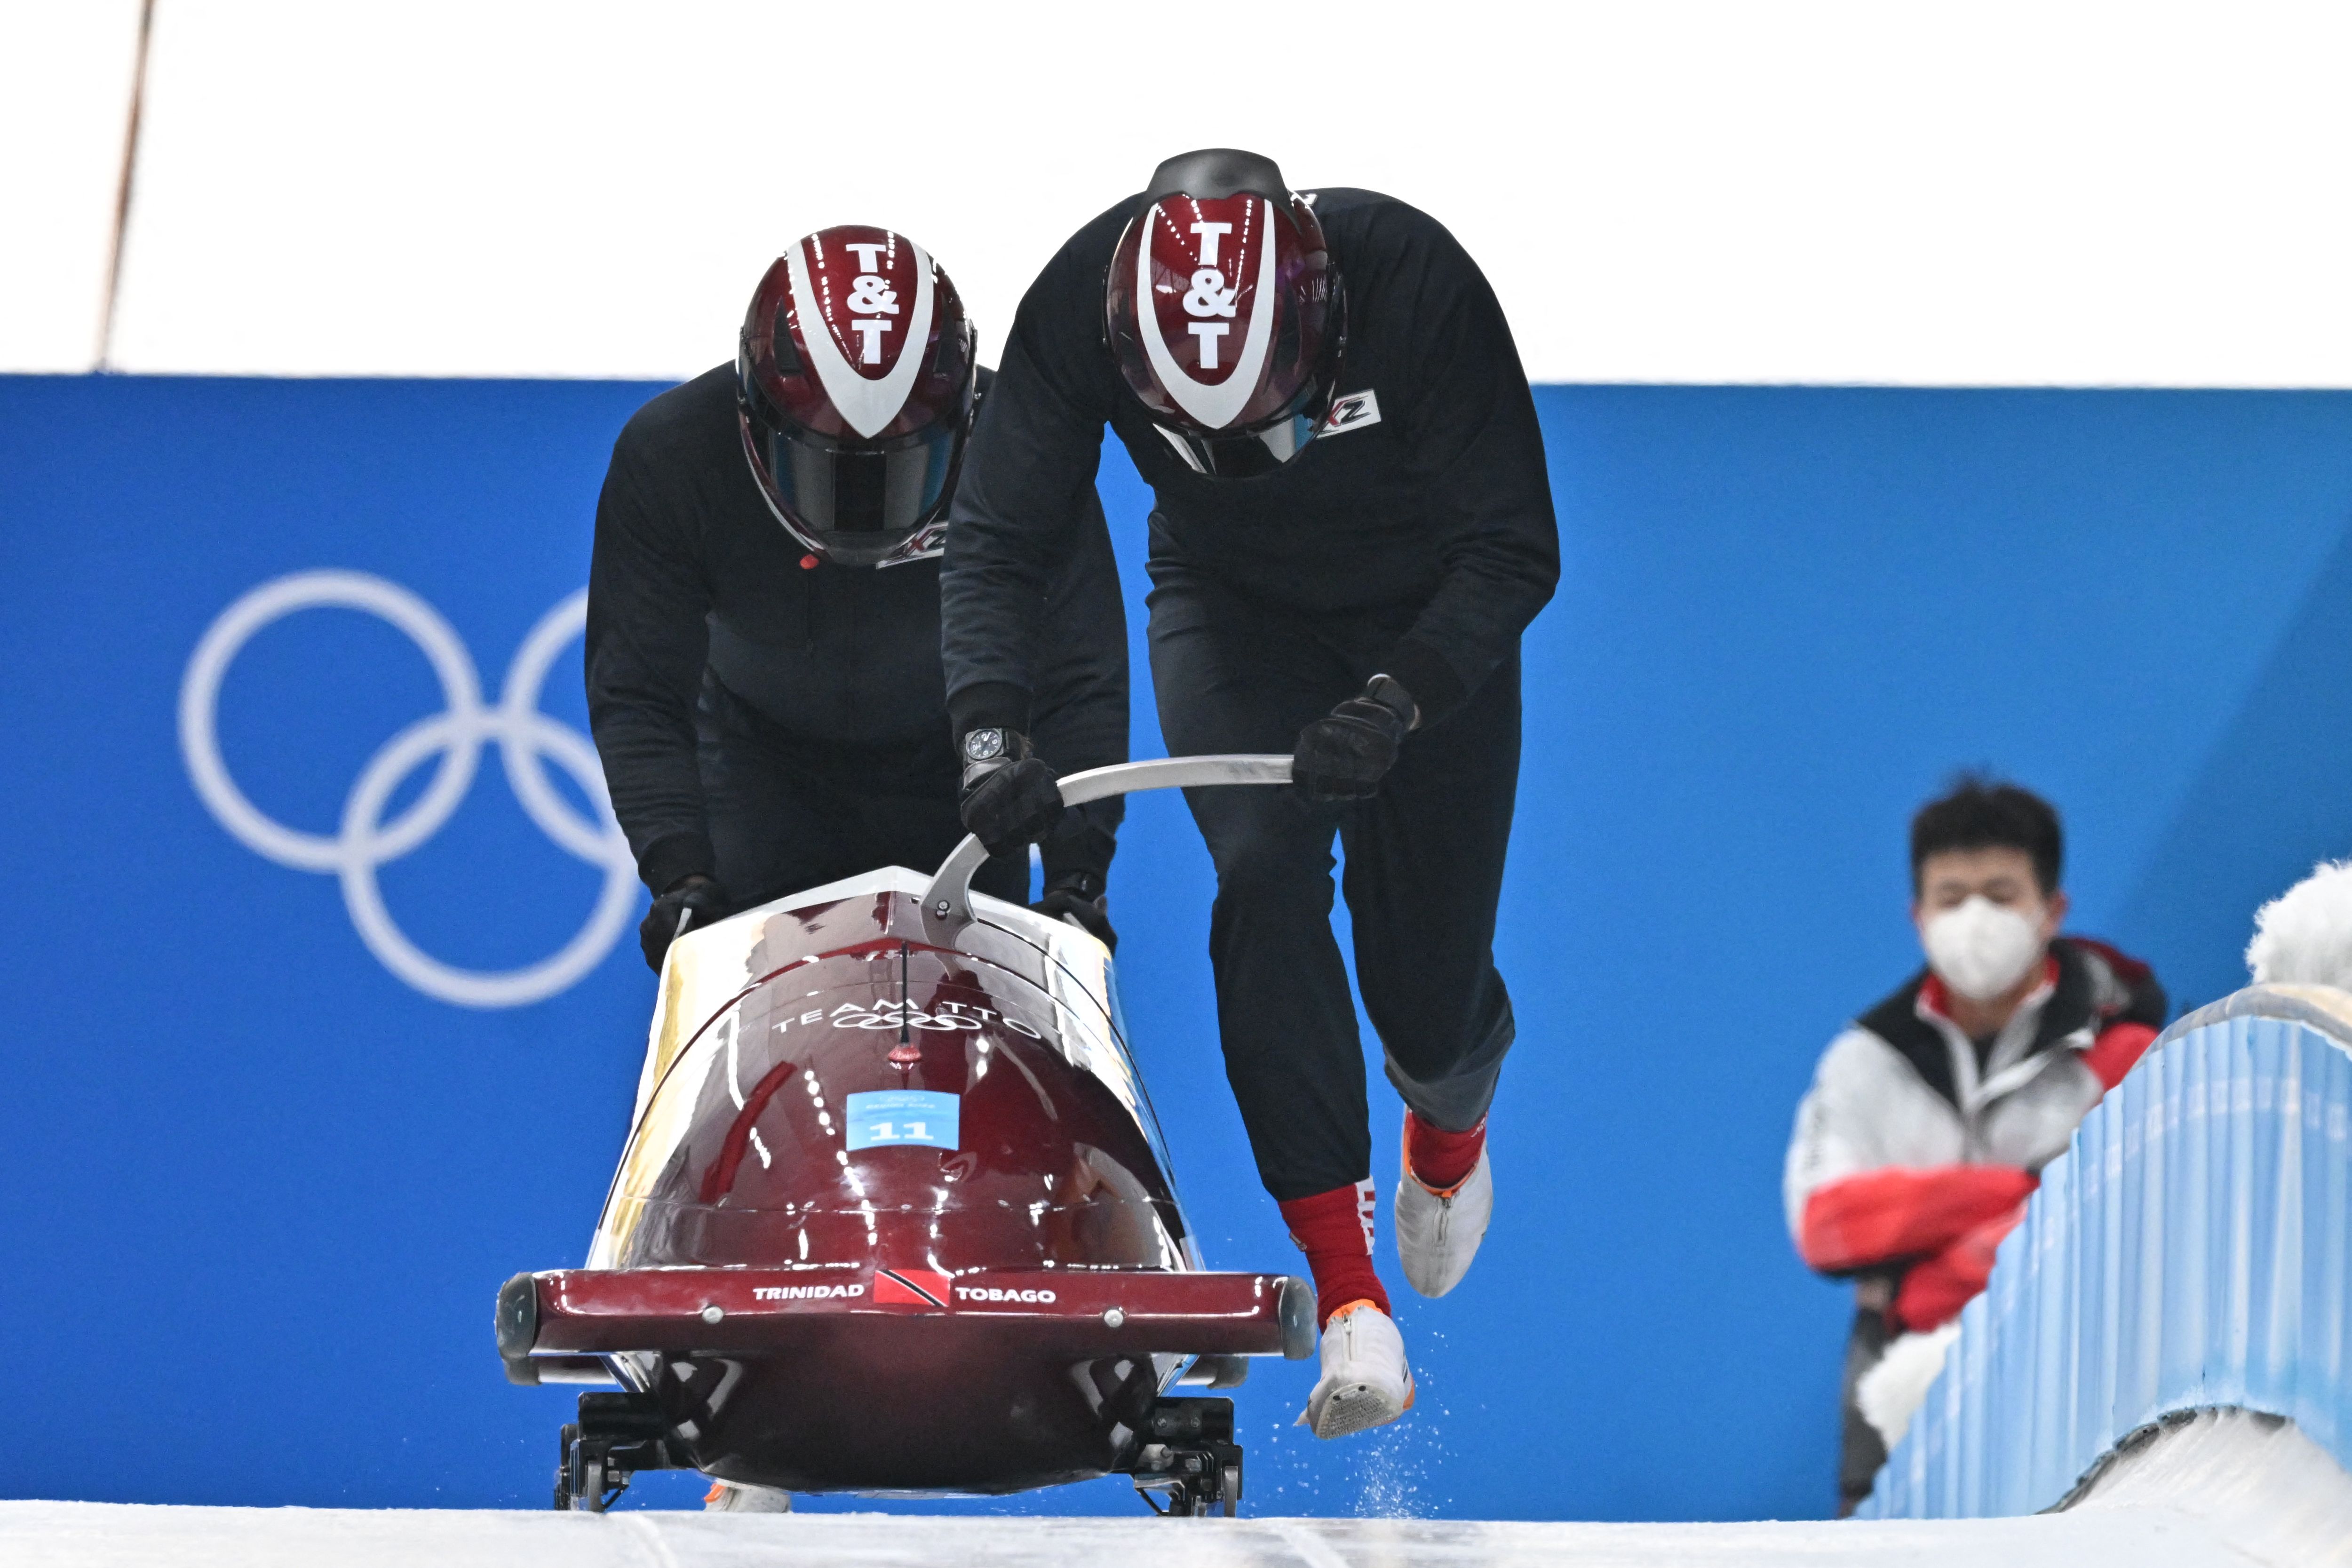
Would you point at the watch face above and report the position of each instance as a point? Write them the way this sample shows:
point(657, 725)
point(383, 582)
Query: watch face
point(982, 745)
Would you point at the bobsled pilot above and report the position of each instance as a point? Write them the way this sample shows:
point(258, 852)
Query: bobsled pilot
point(1353, 525)
point(764, 613)
point(1930, 1116)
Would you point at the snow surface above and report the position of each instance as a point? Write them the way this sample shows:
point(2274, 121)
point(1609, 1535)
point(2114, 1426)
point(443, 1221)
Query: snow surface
point(120, 1535)
point(2256, 1480)
point(2223, 1491)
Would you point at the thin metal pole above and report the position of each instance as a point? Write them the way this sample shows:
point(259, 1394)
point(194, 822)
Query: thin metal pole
point(123, 189)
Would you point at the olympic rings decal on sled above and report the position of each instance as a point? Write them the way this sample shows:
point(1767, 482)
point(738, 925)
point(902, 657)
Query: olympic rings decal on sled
point(364, 842)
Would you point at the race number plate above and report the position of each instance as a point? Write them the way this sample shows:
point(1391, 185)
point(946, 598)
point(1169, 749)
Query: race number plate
point(903, 1116)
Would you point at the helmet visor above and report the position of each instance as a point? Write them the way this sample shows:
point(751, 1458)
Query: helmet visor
point(859, 500)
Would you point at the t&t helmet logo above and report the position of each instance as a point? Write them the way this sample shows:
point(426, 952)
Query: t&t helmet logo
point(854, 380)
point(1222, 309)
point(860, 303)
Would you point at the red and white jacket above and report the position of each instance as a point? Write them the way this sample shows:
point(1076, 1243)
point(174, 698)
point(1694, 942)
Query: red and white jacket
point(1911, 1160)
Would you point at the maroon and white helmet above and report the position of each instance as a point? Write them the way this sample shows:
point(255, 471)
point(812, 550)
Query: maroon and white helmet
point(1225, 312)
point(854, 382)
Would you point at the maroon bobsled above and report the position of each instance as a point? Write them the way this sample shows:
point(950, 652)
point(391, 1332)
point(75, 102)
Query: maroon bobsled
point(896, 1215)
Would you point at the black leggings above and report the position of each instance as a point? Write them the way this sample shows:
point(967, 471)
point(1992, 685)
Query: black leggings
point(788, 814)
point(1424, 870)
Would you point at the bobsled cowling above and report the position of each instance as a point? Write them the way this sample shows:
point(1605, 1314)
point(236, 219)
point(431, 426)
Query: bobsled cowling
point(896, 1214)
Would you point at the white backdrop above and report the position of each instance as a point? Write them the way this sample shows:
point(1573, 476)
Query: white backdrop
point(1980, 193)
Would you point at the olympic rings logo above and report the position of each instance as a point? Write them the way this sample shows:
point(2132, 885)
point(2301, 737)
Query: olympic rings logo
point(364, 842)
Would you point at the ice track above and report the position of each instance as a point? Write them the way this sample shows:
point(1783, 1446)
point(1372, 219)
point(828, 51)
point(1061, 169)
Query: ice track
point(125, 1535)
point(2218, 1492)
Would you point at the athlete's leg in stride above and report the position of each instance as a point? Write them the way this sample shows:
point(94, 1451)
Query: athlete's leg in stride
point(1229, 681)
point(1424, 875)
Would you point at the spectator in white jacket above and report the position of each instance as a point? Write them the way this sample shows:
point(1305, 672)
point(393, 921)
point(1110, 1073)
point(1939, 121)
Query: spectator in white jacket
point(1931, 1114)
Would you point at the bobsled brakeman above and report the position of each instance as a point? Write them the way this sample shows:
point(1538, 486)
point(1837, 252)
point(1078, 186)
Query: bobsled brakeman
point(896, 1215)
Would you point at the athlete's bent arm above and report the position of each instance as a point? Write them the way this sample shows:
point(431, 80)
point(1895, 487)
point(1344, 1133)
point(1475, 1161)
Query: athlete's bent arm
point(645, 648)
point(1028, 475)
point(1081, 703)
point(1475, 418)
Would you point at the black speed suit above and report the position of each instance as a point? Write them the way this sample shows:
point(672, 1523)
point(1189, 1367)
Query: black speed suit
point(777, 725)
point(1418, 544)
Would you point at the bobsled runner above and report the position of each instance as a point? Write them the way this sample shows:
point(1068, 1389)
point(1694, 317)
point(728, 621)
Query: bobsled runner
point(895, 1215)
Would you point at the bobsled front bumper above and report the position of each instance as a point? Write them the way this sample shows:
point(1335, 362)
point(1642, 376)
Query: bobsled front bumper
point(550, 1322)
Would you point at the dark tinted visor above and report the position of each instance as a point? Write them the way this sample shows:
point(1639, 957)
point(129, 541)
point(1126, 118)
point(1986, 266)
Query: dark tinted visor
point(862, 499)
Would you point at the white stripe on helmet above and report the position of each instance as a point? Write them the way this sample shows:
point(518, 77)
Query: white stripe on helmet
point(867, 405)
point(1214, 406)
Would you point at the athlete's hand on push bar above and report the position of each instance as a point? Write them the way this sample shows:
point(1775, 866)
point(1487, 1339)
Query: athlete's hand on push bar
point(1345, 755)
point(688, 904)
point(1078, 895)
point(1010, 798)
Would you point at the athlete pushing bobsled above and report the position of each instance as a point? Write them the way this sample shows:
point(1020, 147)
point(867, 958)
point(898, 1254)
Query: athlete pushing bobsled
point(1353, 526)
point(762, 649)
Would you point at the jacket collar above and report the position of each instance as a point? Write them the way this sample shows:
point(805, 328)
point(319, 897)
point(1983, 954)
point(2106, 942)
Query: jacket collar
point(2067, 1015)
point(2017, 1052)
point(1934, 999)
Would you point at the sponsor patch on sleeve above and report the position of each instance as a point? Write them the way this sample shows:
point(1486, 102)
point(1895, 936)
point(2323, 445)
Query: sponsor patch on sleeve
point(1350, 411)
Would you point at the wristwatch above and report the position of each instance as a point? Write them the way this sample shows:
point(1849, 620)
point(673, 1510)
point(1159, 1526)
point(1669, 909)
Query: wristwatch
point(983, 745)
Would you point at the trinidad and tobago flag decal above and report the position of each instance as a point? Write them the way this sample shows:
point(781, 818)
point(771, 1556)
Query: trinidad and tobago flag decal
point(911, 1288)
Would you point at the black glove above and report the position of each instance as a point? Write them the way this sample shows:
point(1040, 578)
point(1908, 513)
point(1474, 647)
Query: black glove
point(1344, 755)
point(1010, 797)
point(690, 904)
point(1079, 895)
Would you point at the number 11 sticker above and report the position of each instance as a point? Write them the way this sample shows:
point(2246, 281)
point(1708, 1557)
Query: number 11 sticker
point(904, 1116)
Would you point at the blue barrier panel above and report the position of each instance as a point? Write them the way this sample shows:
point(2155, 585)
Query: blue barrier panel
point(2190, 1250)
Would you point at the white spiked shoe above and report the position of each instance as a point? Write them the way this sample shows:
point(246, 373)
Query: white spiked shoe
point(1438, 1230)
point(726, 1496)
point(1365, 1381)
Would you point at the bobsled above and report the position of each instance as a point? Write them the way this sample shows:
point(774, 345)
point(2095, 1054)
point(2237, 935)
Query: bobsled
point(895, 1215)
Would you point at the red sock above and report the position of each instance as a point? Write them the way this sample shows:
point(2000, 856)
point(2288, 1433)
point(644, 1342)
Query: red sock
point(1335, 1230)
point(1440, 1160)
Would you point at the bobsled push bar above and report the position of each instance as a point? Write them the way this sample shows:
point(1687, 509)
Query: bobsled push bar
point(949, 897)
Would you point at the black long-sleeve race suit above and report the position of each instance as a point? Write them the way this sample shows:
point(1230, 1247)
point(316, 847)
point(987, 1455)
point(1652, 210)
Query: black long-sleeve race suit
point(1418, 543)
point(775, 723)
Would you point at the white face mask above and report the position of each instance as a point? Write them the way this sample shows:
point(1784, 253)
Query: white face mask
point(1981, 949)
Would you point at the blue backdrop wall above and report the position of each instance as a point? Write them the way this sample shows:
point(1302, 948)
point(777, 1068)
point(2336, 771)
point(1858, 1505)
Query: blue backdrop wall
point(257, 1188)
